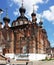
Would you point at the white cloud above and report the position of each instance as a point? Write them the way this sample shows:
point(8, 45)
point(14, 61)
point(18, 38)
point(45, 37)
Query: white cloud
point(52, 43)
point(11, 5)
point(38, 17)
point(49, 14)
point(28, 5)
point(16, 12)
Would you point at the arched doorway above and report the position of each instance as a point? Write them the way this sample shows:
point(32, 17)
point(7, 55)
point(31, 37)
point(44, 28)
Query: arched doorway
point(4, 51)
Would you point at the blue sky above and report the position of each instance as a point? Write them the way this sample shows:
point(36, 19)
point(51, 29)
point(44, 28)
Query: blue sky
point(43, 8)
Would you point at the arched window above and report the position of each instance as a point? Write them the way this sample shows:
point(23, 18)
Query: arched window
point(25, 22)
point(25, 49)
point(21, 22)
point(8, 37)
point(16, 23)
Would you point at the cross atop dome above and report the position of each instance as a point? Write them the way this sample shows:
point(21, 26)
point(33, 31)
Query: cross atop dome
point(22, 2)
point(34, 19)
point(33, 14)
point(7, 12)
point(22, 9)
point(41, 21)
point(6, 18)
point(33, 8)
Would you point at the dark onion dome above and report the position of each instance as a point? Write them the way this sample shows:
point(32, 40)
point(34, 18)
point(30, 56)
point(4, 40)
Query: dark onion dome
point(44, 30)
point(6, 19)
point(33, 14)
point(40, 23)
point(1, 10)
point(22, 10)
point(22, 17)
point(0, 22)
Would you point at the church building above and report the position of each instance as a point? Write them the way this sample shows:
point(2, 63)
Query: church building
point(24, 36)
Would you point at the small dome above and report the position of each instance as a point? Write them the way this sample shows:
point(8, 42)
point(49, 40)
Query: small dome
point(1, 11)
point(33, 14)
point(0, 22)
point(41, 23)
point(44, 30)
point(6, 19)
point(22, 10)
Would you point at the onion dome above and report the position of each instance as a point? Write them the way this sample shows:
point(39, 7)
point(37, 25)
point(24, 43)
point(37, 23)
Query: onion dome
point(40, 23)
point(0, 22)
point(22, 10)
point(44, 31)
point(34, 19)
point(1, 11)
point(33, 14)
point(6, 19)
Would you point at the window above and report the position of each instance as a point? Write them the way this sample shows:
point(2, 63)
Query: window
point(8, 37)
point(25, 22)
point(13, 24)
point(42, 42)
point(16, 23)
point(21, 22)
point(24, 49)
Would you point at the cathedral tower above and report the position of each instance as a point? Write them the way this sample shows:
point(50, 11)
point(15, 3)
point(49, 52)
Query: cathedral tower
point(6, 20)
point(34, 19)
